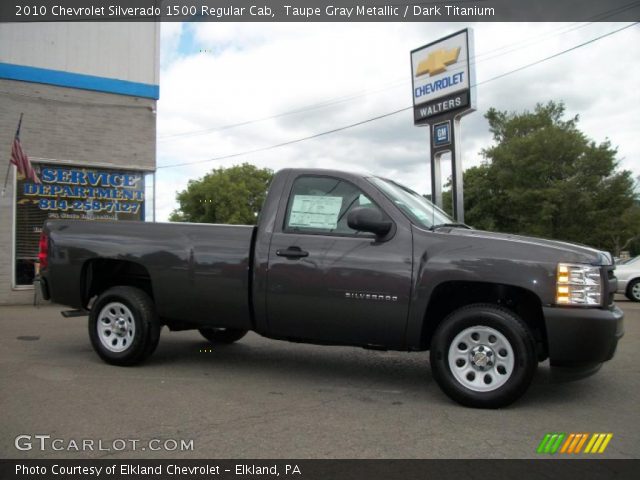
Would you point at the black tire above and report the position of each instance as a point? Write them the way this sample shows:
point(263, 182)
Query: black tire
point(141, 328)
point(222, 335)
point(629, 293)
point(520, 356)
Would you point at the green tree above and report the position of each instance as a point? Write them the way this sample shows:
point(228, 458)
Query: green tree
point(544, 177)
point(231, 195)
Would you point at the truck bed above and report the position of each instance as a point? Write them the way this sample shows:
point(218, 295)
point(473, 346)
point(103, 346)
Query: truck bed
point(203, 266)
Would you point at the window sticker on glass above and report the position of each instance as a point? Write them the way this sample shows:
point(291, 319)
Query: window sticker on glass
point(311, 211)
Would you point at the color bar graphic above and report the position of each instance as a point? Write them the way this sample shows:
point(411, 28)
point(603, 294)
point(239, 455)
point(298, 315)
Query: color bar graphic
point(598, 443)
point(573, 443)
point(550, 443)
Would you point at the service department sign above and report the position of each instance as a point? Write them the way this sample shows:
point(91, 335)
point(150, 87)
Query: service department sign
point(85, 193)
point(70, 192)
point(442, 76)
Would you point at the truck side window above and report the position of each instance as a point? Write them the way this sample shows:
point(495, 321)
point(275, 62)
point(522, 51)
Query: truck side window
point(322, 204)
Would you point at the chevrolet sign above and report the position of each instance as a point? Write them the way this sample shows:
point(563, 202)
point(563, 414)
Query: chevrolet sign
point(441, 70)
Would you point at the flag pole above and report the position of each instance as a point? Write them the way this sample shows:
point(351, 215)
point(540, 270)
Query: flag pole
point(6, 177)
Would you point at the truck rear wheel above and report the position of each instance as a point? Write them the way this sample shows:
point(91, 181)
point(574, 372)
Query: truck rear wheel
point(221, 335)
point(483, 356)
point(123, 326)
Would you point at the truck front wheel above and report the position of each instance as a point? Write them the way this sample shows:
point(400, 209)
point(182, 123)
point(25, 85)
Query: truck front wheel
point(483, 356)
point(123, 326)
point(219, 335)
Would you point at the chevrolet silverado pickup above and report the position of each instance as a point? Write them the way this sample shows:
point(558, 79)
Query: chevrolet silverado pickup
point(344, 259)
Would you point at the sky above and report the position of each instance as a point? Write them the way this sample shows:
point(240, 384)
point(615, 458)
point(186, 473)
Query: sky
point(314, 77)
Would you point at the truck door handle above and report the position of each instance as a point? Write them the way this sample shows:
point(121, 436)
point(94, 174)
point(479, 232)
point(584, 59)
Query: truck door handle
point(292, 252)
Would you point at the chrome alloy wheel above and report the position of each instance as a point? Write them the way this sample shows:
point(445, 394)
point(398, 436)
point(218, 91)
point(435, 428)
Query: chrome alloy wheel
point(635, 291)
point(116, 327)
point(481, 358)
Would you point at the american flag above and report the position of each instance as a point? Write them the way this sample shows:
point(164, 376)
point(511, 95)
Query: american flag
point(20, 159)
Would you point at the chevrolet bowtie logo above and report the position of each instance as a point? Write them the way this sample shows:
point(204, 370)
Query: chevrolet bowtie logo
point(437, 61)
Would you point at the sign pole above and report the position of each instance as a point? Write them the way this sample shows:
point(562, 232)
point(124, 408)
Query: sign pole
point(445, 137)
point(456, 174)
point(442, 77)
point(436, 179)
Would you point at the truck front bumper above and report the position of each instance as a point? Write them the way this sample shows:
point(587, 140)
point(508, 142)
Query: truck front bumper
point(580, 339)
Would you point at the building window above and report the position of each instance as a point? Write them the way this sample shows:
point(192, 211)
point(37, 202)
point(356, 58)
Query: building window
point(72, 193)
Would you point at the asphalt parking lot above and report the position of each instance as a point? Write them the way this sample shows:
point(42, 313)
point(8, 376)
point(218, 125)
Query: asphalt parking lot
point(266, 399)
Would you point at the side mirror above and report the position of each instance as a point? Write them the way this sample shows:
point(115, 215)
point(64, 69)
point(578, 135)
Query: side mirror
point(366, 219)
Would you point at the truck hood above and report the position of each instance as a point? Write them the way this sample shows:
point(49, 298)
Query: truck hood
point(565, 251)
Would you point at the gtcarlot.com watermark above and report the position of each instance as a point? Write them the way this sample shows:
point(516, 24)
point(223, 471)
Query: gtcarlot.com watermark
point(43, 442)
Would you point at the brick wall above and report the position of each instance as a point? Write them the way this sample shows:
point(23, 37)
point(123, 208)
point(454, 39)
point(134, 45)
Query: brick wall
point(70, 126)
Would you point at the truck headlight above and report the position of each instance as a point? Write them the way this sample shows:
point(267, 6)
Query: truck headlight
point(578, 285)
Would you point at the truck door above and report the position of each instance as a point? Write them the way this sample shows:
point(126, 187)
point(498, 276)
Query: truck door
point(329, 283)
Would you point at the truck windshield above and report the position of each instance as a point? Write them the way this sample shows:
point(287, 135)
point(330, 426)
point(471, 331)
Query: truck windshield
point(420, 210)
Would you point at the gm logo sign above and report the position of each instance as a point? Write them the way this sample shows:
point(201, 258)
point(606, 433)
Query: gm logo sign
point(442, 134)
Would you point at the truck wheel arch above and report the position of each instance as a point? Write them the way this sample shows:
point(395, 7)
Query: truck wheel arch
point(100, 274)
point(449, 296)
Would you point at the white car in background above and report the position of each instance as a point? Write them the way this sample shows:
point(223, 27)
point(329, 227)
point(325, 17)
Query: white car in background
point(628, 274)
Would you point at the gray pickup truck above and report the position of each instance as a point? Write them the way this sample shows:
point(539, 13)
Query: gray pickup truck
point(345, 259)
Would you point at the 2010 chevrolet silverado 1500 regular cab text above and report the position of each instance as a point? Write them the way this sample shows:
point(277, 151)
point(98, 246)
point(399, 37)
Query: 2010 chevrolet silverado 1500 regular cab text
point(345, 259)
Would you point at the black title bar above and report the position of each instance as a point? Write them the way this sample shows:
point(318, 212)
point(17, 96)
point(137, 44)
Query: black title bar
point(582, 469)
point(318, 11)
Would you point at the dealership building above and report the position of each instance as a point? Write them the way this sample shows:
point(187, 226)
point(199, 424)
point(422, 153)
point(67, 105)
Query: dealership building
point(87, 95)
